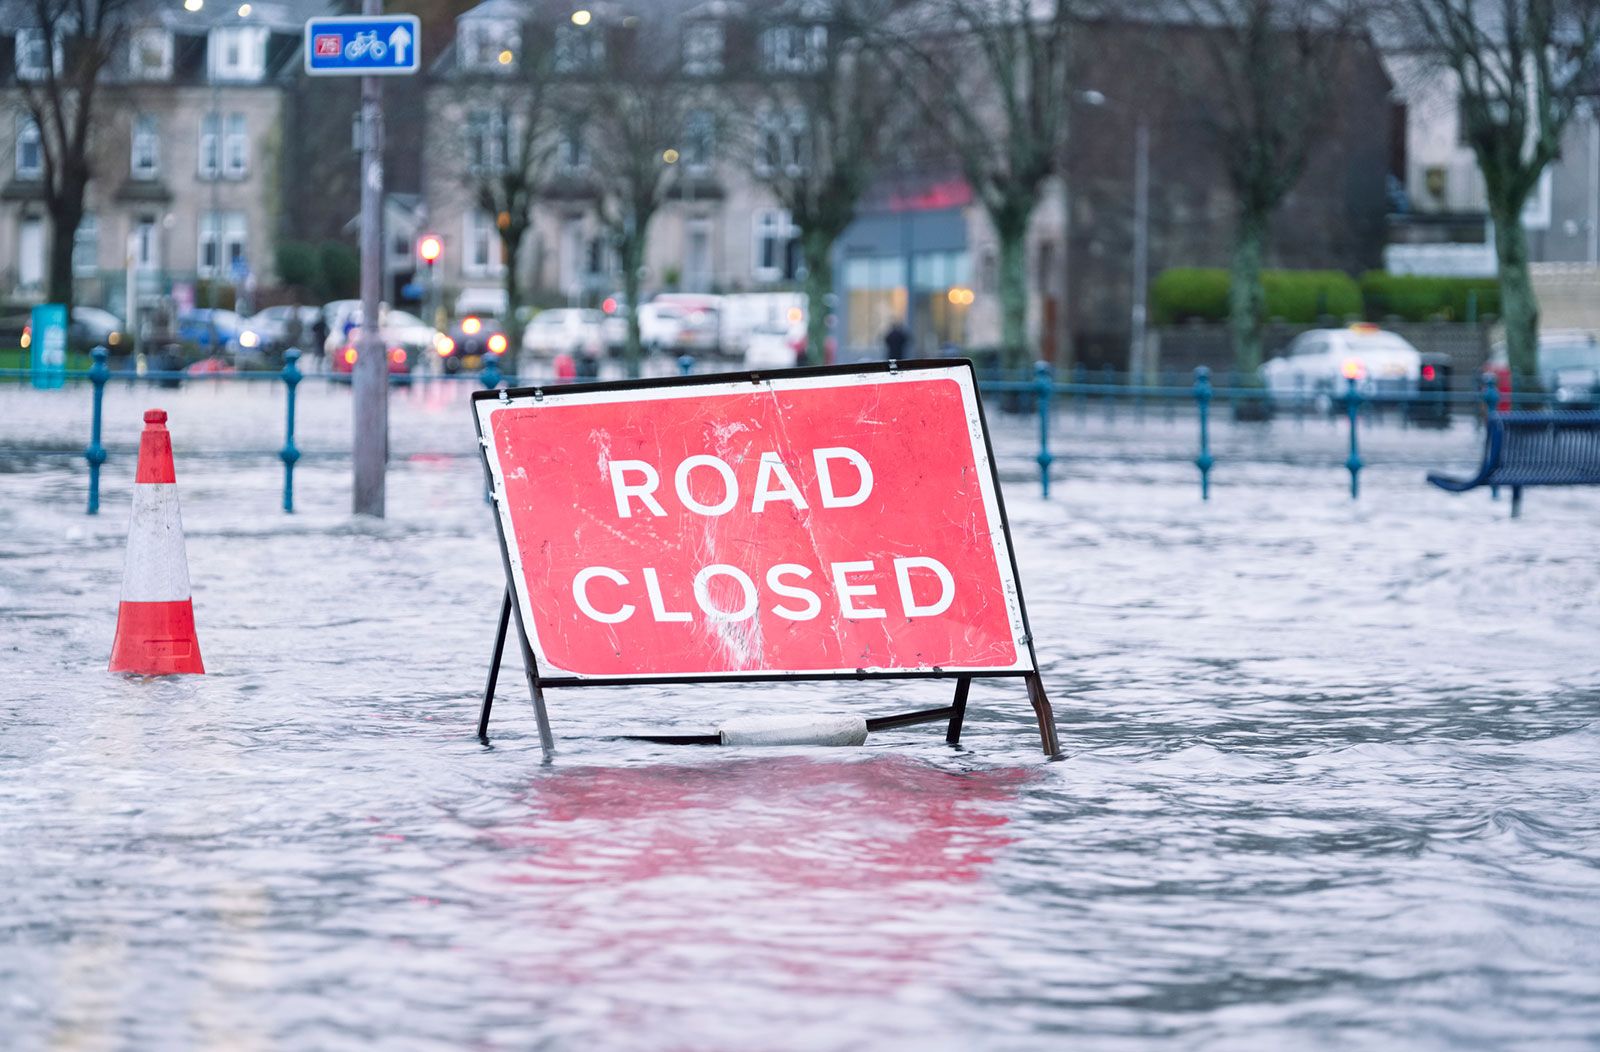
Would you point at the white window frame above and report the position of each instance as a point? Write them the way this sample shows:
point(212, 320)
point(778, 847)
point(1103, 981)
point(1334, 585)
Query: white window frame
point(482, 41)
point(793, 48)
point(487, 264)
point(703, 44)
point(247, 63)
point(144, 143)
point(28, 133)
point(86, 247)
point(781, 142)
point(579, 49)
point(774, 225)
point(145, 42)
point(699, 129)
point(572, 154)
point(235, 146)
point(33, 44)
point(487, 133)
point(208, 162)
point(228, 233)
point(147, 242)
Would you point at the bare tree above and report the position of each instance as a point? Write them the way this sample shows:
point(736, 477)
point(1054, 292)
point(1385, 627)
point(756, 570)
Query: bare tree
point(77, 40)
point(1520, 67)
point(821, 127)
point(1272, 69)
point(994, 77)
point(634, 105)
point(510, 135)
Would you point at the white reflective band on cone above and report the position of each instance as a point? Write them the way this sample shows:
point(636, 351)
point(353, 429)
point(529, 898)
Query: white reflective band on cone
point(794, 730)
point(157, 569)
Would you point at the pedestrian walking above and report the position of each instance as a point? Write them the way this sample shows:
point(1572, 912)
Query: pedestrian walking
point(319, 337)
point(895, 340)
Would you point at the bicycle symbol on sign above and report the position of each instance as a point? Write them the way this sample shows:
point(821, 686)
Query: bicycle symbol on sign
point(366, 43)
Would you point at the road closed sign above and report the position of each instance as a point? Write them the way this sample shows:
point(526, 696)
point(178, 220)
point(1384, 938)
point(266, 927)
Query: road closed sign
point(809, 523)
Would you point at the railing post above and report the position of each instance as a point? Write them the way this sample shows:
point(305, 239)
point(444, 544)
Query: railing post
point(99, 373)
point(1352, 403)
point(289, 454)
point(685, 364)
point(1491, 405)
point(1044, 383)
point(490, 376)
point(1202, 399)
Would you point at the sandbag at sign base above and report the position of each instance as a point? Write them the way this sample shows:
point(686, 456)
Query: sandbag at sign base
point(794, 730)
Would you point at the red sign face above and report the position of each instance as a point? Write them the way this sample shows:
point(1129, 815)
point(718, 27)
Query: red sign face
point(328, 45)
point(800, 525)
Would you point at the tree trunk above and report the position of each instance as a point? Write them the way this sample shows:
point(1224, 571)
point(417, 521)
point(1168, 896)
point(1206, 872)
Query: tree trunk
point(1246, 299)
point(1015, 353)
point(1519, 309)
point(818, 251)
point(64, 222)
point(510, 242)
point(632, 259)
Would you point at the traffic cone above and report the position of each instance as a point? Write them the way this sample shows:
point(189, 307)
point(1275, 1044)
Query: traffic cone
point(155, 620)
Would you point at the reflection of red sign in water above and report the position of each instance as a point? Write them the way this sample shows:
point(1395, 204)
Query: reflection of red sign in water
point(821, 524)
point(328, 45)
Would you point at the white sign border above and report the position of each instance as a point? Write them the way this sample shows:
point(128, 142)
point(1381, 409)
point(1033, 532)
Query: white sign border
point(410, 70)
point(486, 408)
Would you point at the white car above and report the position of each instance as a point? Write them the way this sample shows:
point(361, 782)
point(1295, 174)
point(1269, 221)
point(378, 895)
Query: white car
point(774, 347)
point(1318, 365)
point(399, 328)
point(565, 330)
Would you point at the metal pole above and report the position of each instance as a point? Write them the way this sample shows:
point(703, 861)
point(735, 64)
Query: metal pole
point(1202, 400)
point(96, 453)
point(289, 454)
point(370, 381)
point(1352, 399)
point(1141, 248)
point(1594, 182)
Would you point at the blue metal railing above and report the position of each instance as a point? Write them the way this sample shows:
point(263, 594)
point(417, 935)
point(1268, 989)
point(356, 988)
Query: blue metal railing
point(1039, 391)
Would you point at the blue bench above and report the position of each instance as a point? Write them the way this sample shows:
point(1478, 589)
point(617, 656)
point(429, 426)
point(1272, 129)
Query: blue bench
point(1526, 448)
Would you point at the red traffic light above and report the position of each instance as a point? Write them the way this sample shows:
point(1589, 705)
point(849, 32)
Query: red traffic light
point(430, 248)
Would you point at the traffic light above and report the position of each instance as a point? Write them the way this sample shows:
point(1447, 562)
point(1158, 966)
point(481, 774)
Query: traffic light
point(430, 248)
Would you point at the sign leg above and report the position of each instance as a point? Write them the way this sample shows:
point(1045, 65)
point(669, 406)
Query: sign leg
point(530, 665)
point(958, 710)
point(494, 668)
point(1047, 716)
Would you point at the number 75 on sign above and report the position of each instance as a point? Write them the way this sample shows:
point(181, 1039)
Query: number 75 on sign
point(363, 46)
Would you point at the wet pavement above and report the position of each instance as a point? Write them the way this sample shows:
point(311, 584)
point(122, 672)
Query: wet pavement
point(1333, 779)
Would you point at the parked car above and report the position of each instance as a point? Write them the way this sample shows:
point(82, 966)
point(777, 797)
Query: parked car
point(89, 328)
point(272, 324)
point(672, 323)
point(1317, 366)
point(469, 339)
point(774, 347)
point(1569, 368)
point(213, 331)
point(565, 331)
point(343, 363)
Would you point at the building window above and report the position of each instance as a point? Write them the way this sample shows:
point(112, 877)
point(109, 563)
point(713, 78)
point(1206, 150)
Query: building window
point(86, 247)
point(579, 49)
point(30, 152)
point(238, 52)
point(699, 139)
point(483, 245)
point(146, 243)
point(484, 40)
point(210, 145)
point(223, 245)
point(236, 147)
point(146, 160)
point(150, 54)
point(793, 49)
point(486, 140)
point(875, 297)
point(782, 144)
point(33, 54)
point(776, 246)
point(574, 153)
point(30, 252)
point(702, 49)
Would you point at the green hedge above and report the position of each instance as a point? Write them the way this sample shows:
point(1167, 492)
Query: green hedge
point(1201, 293)
point(1415, 298)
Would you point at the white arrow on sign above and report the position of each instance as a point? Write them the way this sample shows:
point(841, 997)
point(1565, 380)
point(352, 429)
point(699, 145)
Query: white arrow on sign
point(399, 40)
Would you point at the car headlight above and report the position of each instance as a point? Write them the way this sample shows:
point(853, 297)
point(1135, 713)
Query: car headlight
point(248, 339)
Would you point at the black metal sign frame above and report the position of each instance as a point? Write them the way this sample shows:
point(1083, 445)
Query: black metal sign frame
point(952, 715)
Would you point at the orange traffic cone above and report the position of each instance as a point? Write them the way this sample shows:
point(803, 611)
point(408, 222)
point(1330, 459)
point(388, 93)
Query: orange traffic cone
point(155, 620)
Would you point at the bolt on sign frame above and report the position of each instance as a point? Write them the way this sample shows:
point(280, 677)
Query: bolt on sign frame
point(755, 467)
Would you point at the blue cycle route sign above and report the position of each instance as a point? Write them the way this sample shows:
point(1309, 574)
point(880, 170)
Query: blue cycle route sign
point(363, 46)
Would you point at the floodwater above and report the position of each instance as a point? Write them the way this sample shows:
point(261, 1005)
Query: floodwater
point(1333, 781)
